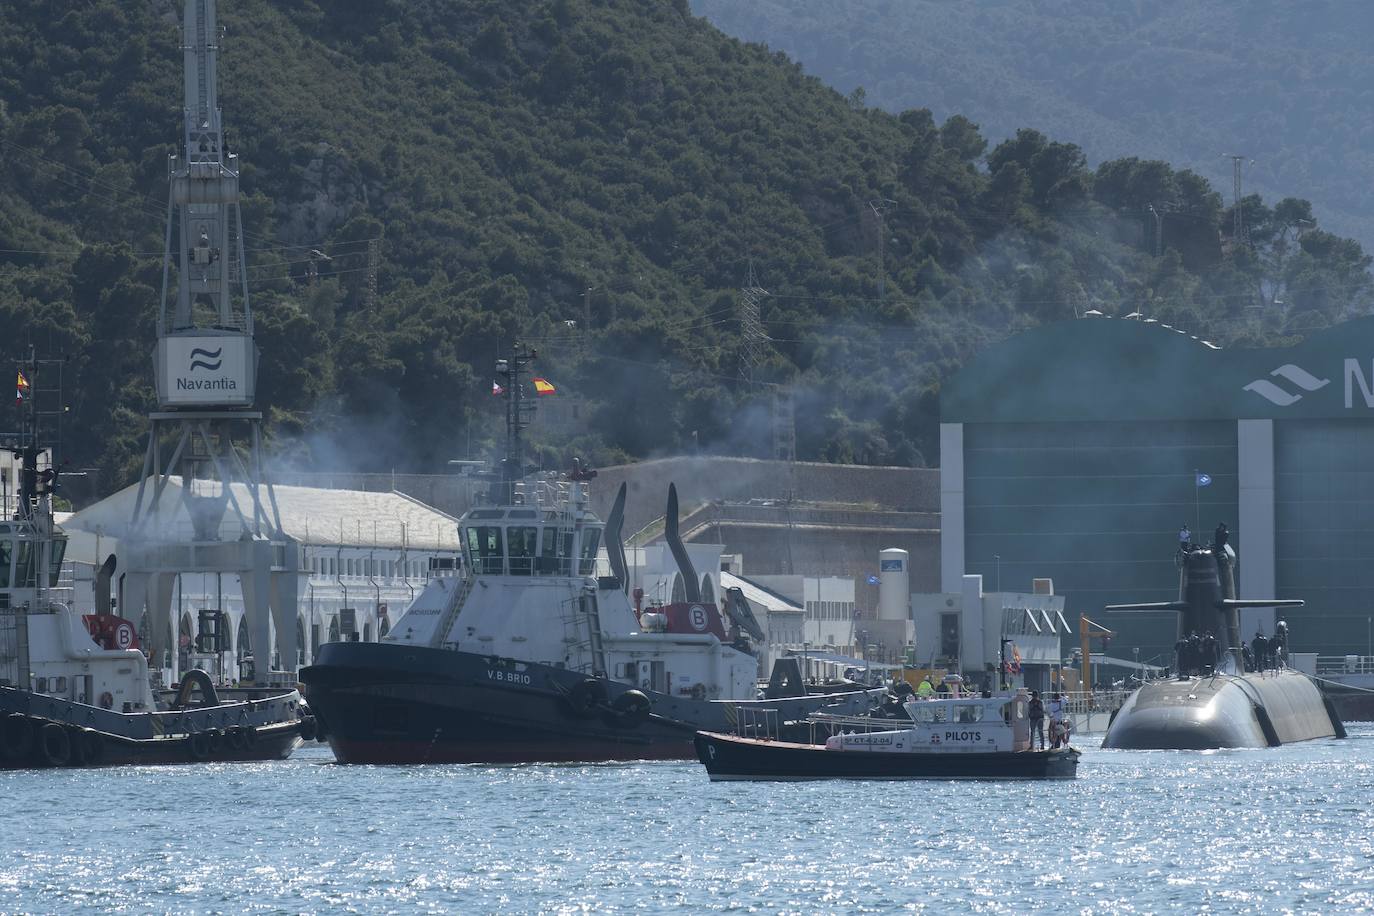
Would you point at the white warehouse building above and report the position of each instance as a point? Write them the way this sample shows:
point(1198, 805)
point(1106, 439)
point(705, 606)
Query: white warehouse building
point(363, 557)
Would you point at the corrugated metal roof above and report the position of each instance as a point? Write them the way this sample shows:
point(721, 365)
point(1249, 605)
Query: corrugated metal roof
point(310, 515)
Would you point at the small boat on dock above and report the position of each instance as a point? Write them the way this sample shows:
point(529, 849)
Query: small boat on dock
point(968, 737)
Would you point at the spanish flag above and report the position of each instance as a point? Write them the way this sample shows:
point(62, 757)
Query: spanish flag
point(21, 389)
point(542, 386)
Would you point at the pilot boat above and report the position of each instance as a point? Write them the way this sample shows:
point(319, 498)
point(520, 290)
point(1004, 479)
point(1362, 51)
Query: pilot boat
point(525, 653)
point(968, 737)
point(75, 689)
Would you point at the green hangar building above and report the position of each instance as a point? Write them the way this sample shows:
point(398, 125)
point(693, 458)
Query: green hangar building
point(1076, 451)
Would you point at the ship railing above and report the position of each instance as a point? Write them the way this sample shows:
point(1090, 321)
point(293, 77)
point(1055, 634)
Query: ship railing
point(757, 722)
point(1344, 664)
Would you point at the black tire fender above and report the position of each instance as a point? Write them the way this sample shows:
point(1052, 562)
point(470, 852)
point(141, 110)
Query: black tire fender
point(585, 697)
point(631, 709)
point(93, 746)
point(54, 745)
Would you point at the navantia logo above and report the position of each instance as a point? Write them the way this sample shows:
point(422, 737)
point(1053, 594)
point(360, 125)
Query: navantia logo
point(1297, 377)
point(206, 359)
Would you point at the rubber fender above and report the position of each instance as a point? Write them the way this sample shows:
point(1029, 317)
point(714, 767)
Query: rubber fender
point(1266, 725)
point(631, 709)
point(238, 741)
point(306, 727)
point(217, 741)
point(1336, 724)
point(54, 745)
point(93, 746)
point(198, 746)
point(16, 736)
point(78, 754)
point(250, 735)
point(585, 696)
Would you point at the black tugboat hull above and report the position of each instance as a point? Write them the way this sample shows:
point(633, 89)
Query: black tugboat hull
point(728, 757)
point(389, 703)
point(88, 747)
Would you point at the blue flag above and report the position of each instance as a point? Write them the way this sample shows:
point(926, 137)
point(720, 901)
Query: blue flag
point(873, 580)
point(1204, 480)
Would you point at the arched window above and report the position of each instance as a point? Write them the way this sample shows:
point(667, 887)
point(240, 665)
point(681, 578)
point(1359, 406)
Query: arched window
point(245, 647)
point(708, 590)
point(679, 589)
point(226, 631)
point(367, 632)
point(300, 640)
point(334, 634)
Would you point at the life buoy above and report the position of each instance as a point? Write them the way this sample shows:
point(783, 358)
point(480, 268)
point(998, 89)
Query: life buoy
point(198, 744)
point(107, 700)
point(54, 745)
point(698, 691)
point(585, 697)
point(16, 736)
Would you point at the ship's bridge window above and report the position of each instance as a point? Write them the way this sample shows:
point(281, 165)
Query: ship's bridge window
point(523, 544)
point(968, 713)
point(522, 513)
point(487, 513)
point(555, 553)
point(591, 539)
point(930, 712)
point(59, 549)
point(24, 567)
point(484, 543)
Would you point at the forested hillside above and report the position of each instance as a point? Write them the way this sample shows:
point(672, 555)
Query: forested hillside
point(1287, 83)
point(494, 160)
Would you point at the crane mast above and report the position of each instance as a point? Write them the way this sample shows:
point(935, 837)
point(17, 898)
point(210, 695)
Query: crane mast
point(206, 364)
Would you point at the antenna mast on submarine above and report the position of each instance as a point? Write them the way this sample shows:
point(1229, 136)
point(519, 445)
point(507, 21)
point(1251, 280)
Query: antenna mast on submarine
point(206, 366)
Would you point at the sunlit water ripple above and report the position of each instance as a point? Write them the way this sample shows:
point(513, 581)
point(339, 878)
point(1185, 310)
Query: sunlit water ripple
point(1235, 831)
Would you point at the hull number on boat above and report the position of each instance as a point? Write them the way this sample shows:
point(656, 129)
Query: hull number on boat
point(508, 677)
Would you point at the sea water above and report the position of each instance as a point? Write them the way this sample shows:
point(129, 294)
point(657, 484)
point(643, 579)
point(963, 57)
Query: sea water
point(1288, 829)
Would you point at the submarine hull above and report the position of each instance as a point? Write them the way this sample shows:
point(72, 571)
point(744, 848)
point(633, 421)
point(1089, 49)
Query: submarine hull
point(1261, 709)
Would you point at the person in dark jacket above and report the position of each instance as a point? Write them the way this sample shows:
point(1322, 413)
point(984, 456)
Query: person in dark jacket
point(1209, 653)
point(1035, 711)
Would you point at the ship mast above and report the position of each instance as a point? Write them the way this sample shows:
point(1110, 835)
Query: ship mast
point(519, 411)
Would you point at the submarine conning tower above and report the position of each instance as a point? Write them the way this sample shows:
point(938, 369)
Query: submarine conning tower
point(1207, 601)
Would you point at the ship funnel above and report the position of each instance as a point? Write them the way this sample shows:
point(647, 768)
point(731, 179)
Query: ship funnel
point(615, 544)
point(102, 586)
point(684, 562)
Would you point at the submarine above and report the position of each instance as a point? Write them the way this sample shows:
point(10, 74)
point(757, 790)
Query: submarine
point(1222, 704)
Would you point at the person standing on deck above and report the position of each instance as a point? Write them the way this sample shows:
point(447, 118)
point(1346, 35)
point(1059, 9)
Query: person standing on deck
point(1035, 710)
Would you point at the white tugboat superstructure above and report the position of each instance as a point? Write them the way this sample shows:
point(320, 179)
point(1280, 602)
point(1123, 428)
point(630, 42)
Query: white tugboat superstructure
point(525, 653)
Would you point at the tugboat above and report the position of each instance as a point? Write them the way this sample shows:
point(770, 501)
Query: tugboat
point(74, 689)
point(970, 737)
point(526, 654)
